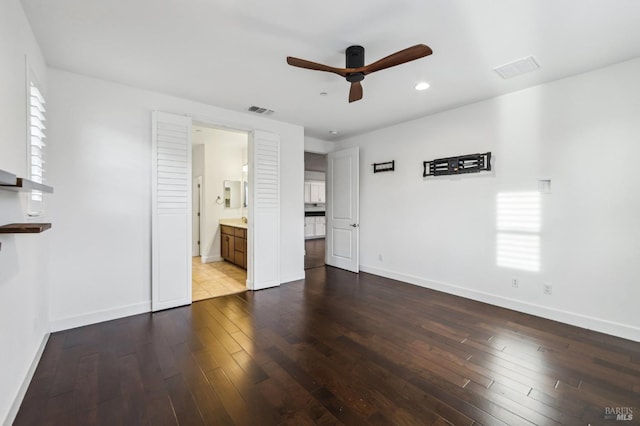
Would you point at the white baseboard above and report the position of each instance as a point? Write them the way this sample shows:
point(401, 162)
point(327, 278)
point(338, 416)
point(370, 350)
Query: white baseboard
point(579, 320)
point(22, 391)
point(209, 259)
point(100, 316)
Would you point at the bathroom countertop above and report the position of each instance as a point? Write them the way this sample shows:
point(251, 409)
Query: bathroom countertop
point(238, 223)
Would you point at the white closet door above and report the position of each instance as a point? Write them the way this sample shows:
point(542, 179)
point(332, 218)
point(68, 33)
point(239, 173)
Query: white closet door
point(170, 214)
point(264, 211)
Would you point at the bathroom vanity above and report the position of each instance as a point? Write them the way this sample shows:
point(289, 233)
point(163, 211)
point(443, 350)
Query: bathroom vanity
point(233, 241)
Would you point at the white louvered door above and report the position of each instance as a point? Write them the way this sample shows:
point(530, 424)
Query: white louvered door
point(264, 205)
point(170, 211)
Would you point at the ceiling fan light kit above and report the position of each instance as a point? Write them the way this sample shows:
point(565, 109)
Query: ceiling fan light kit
point(356, 70)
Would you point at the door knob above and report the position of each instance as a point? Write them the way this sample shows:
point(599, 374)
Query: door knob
point(354, 225)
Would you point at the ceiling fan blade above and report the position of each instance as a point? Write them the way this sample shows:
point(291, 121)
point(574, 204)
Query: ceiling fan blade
point(410, 54)
point(355, 93)
point(302, 63)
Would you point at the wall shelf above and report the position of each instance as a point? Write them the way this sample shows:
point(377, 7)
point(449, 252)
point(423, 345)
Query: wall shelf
point(24, 228)
point(22, 184)
point(10, 182)
point(7, 178)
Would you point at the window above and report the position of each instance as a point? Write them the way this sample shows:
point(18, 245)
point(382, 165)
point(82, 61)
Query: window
point(36, 146)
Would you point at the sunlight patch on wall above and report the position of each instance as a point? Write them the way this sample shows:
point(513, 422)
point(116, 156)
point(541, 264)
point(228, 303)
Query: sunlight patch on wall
point(518, 224)
point(519, 251)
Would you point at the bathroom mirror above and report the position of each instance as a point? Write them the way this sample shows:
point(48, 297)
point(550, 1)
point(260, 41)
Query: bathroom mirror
point(232, 194)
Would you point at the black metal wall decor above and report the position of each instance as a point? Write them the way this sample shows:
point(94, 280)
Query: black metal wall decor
point(471, 163)
point(389, 166)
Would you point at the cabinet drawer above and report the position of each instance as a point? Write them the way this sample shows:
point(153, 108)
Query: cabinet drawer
point(240, 244)
point(240, 259)
point(240, 232)
point(224, 229)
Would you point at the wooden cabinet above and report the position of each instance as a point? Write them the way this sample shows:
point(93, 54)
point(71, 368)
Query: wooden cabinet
point(314, 227)
point(233, 245)
point(314, 192)
point(307, 192)
point(309, 227)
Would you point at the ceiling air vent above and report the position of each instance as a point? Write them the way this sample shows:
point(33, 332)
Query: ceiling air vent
point(260, 110)
point(516, 68)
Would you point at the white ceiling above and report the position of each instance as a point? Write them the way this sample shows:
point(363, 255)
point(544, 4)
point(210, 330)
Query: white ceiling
point(231, 53)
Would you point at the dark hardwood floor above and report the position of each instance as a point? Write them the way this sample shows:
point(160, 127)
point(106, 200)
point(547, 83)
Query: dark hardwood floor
point(337, 348)
point(314, 253)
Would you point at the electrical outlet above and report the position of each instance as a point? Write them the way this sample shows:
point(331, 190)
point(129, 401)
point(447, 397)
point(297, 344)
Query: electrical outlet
point(547, 289)
point(380, 257)
point(515, 283)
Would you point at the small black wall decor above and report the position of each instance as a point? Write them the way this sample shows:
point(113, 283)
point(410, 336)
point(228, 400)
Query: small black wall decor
point(389, 166)
point(470, 163)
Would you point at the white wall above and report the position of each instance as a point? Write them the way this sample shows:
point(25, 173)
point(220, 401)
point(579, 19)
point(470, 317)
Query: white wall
point(224, 155)
point(311, 175)
point(100, 161)
point(197, 160)
point(318, 146)
point(583, 133)
point(23, 258)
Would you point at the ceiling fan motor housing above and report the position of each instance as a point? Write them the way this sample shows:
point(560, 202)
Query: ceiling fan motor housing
point(355, 59)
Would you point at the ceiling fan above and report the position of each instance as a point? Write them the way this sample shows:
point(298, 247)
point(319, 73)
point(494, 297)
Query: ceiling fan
point(356, 70)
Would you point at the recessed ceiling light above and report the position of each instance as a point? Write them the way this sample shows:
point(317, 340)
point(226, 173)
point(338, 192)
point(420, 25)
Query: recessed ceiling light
point(423, 85)
point(333, 132)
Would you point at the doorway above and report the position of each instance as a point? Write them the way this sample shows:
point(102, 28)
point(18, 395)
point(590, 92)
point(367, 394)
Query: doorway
point(171, 224)
point(315, 169)
point(220, 172)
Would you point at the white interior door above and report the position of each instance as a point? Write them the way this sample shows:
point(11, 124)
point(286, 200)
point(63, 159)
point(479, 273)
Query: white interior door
point(342, 210)
point(170, 211)
point(196, 190)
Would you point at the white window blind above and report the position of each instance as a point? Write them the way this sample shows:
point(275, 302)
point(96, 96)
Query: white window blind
point(36, 148)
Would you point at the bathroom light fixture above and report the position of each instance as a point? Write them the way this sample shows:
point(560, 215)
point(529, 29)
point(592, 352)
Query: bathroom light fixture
point(423, 85)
